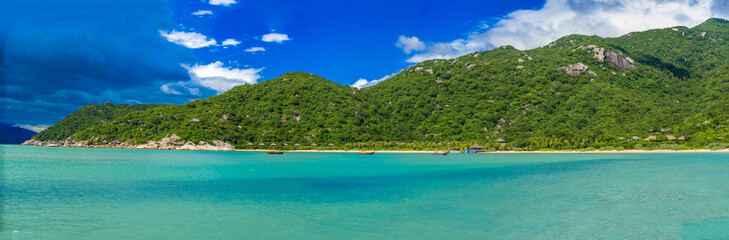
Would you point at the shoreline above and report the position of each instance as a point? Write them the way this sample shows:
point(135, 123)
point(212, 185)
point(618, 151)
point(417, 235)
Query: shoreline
point(498, 152)
point(414, 151)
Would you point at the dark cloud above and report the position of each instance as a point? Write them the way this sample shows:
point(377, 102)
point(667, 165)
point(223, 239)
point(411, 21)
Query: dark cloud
point(60, 55)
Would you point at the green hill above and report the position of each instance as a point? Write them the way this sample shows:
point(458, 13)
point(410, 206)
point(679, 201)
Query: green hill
point(87, 116)
point(577, 92)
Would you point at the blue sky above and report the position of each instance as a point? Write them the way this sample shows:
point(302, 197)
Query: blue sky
point(58, 56)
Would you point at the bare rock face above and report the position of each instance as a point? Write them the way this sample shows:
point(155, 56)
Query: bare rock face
point(612, 56)
point(170, 139)
point(188, 146)
point(575, 69)
point(618, 60)
point(599, 53)
point(171, 143)
point(31, 142)
point(223, 146)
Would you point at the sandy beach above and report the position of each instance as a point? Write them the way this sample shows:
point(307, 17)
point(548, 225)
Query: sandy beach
point(506, 152)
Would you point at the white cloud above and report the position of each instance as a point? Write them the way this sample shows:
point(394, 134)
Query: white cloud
point(409, 44)
point(230, 42)
point(222, 2)
point(219, 78)
point(202, 12)
point(35, 128)
point(526, 29)
point(181, 88)
point(275, 37)
point(188, 39)
point(363, 83)
point(167, 88)
point(255, 49)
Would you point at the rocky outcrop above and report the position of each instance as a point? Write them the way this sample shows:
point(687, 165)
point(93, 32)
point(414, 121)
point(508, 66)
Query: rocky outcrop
point(601, 55)
point(575, 69)
point(622, 62)
point(169, 142)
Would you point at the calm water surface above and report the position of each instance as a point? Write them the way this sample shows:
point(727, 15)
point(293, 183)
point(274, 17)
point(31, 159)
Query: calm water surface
point(71, 193)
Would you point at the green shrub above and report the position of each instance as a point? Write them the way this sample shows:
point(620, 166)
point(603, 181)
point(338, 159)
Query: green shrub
point(717, 146)
point(672, 146)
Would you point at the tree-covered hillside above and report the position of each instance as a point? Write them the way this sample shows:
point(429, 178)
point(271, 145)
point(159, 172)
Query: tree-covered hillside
point(87, 116)
point(577, 92)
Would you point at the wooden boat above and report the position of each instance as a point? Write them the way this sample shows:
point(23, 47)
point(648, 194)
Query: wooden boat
point(367, 153)
point(275, 152)
point(440, 153)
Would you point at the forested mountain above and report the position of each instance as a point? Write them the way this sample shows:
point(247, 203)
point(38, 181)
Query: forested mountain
point(87, 116)
point(14, 135)
point(577, 92)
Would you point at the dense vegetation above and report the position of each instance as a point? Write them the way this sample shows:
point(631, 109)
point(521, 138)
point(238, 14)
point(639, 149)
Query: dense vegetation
point(87, 116)
point(678, 86)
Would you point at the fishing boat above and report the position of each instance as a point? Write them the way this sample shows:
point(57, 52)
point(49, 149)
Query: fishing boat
point(367, 153)
point(440, 153)
point(275, 152)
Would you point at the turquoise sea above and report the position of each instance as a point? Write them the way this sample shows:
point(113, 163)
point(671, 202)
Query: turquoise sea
point(74, 193)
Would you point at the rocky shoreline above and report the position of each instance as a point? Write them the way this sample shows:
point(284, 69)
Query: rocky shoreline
point(170, 142)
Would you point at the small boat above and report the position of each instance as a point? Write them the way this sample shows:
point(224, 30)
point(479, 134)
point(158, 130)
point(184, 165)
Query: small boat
point(367, 153)
point(440, 153)
point(275, 152)
point(455, 151)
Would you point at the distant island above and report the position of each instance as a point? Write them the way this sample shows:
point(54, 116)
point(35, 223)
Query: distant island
point(657, 89)
point(14, 135)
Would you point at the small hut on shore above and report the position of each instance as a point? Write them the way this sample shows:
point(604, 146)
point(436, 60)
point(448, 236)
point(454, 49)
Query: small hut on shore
point(476, 147)
point(273, 144)
point(670, 138)
point(285, 144)
point(500, 140)
point(261, 145)
point(250, 144)
point(650, 138)
point(636, 138)
point(313, 144)
point(331, 145)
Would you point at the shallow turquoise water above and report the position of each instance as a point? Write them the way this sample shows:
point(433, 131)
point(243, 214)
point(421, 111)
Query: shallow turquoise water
point(70, 193)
